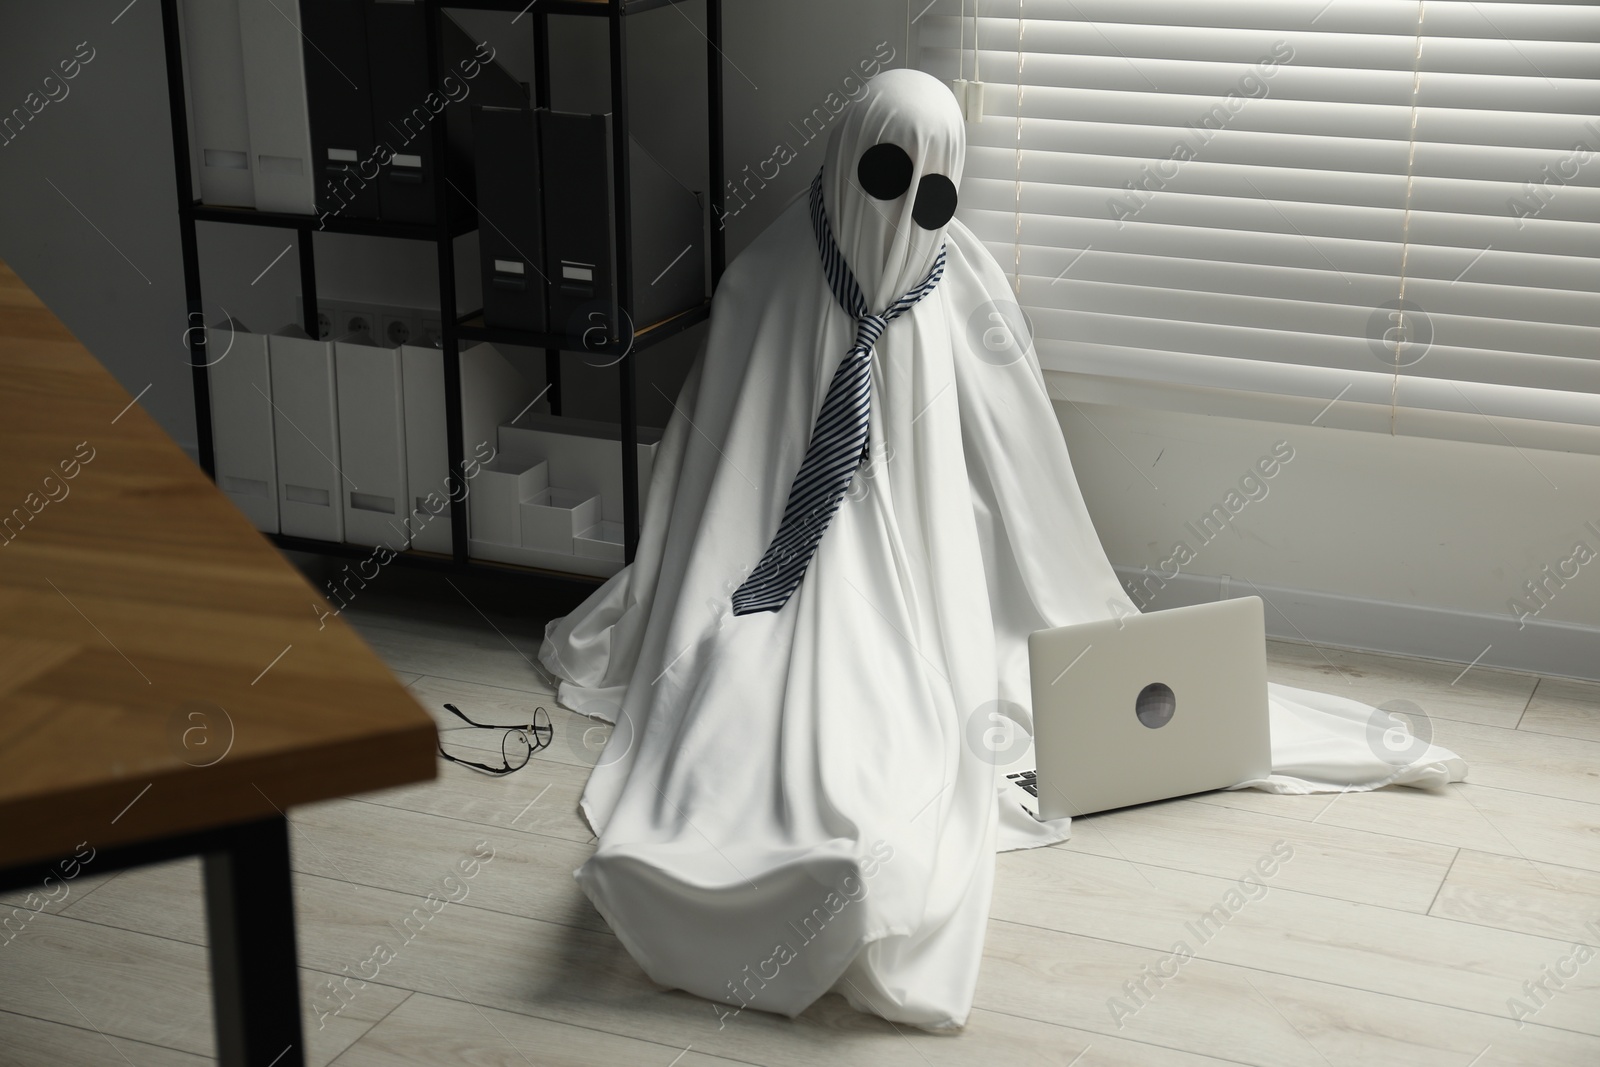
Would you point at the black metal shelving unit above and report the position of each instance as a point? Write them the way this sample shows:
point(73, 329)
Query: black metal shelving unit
point(457, 326)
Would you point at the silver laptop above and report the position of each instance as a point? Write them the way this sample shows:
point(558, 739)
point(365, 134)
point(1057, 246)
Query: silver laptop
point(1147, 707)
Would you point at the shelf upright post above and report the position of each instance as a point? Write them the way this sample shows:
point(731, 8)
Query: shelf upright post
point(719, 247)
point(308, 279)
point(627, 400)
point(450, 341)
point(541, 99)
point(194, 321)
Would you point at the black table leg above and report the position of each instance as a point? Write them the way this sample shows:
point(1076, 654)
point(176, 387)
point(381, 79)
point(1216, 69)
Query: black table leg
point(255, 979)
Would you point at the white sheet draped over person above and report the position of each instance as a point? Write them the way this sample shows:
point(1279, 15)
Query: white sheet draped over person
point(798, 796)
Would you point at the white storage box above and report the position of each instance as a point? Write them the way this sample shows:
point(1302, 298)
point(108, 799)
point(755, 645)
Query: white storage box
point(495, 496)
point(240, 376)
point(372, 447)
point(551, 519)
point(583, 455)
point(603, 540)
point(276, 114)
point(305, 434)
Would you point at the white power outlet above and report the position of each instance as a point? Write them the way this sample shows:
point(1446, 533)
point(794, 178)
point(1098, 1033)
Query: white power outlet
point(397, 330)
point(388, 325)
point(360, 320)
point(329, 313)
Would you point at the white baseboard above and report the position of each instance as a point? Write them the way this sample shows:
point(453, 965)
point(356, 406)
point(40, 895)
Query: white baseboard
point(1539, 646)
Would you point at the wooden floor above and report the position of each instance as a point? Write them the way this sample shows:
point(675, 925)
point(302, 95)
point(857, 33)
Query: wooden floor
point(1403, 929)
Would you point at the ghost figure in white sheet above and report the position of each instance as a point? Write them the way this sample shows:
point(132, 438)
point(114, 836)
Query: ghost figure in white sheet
point(801, 793)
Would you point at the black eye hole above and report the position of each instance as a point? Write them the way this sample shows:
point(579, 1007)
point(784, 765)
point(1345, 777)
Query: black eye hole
point(884, 171)
point(936, 201)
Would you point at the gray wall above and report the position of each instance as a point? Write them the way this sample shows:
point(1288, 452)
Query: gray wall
point(87, 213)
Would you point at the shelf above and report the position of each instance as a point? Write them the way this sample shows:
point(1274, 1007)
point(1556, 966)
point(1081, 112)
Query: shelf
point(470, 327)
point(600, 8)
point(247, 216)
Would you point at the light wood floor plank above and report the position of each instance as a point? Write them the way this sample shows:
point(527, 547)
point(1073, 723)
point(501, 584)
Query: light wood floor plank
point(1398, 953)
point(1257, 1017)
point(427, 1031)
point(585, 978)
point(831, 1032)
point(542, 798)
point(147, 988)
point(1329, 860)
point(529, 875)
point(451, 605)
point(30, 1042)
point(1505, 822)
point(58, 896)
point(478, 653)
point(500, 949)
point(154, 900)
point(360, 844)
point(1482, 695)
point(1565, 708)
point(1562, 767)
point(496, 703)
point(433, 1030)
point(161, 899)
point(1512, 894)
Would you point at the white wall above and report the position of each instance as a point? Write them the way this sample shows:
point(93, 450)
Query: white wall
point(1365, 540)
point(1392, 543)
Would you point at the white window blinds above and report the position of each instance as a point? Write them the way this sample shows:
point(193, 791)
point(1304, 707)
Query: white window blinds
point(1396, 198)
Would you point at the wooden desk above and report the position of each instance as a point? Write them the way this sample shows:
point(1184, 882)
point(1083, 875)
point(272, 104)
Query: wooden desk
point(166, 686)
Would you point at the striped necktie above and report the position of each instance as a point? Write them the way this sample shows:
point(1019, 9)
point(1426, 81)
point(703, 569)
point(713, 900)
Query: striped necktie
point(840, 437)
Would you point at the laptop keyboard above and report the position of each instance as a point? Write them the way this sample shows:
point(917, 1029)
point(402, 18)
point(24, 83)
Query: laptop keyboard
point(1028, 780)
